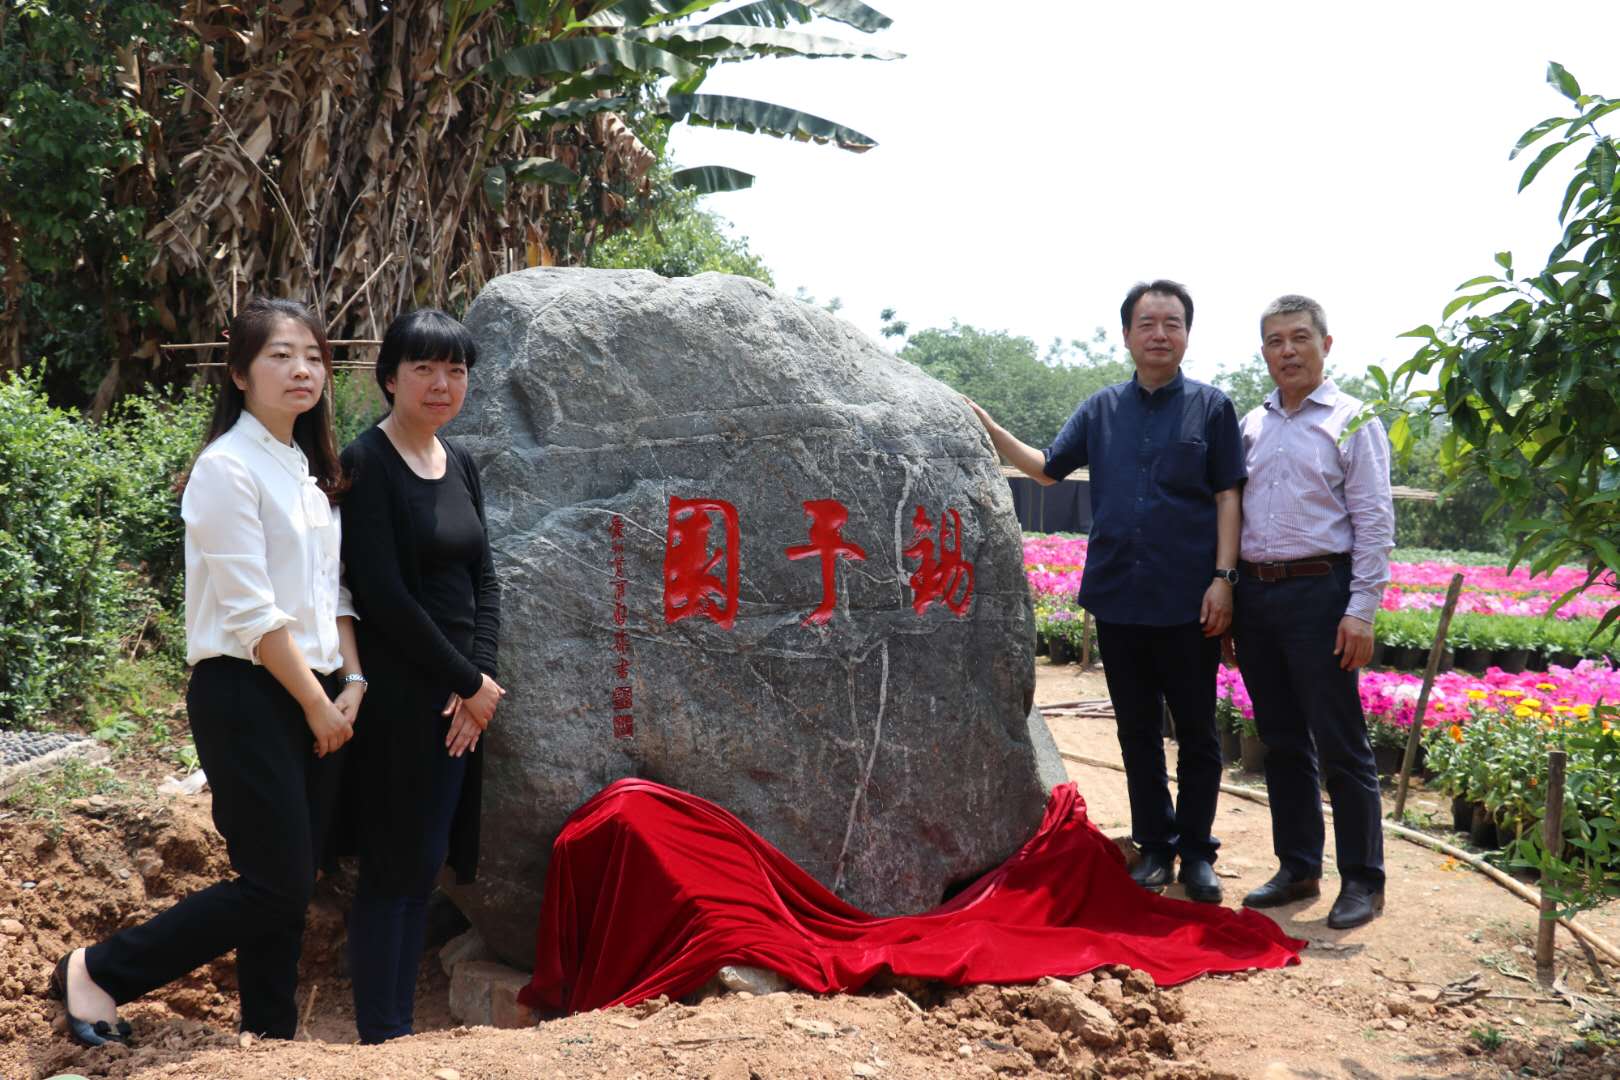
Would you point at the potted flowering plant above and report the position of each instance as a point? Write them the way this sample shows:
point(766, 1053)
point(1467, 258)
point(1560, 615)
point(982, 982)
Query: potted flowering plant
point(1584, 872)
point(1060, 628)
point(1468, 640)
point(1518, 640)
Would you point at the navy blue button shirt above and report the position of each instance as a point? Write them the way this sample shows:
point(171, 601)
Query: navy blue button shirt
point(1156, 460)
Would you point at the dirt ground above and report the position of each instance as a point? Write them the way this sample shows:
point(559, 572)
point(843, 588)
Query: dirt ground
point(1441, 986)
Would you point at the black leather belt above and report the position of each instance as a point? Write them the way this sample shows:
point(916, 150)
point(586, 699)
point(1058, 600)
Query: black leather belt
point(1315, 566)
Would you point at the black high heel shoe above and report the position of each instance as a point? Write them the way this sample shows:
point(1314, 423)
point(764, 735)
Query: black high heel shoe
point(99, 1033)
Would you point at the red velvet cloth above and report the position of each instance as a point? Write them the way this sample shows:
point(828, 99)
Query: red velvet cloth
point(652, 890)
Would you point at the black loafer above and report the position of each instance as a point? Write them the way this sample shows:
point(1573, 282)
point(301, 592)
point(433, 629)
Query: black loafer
point(1198, 878)
point(83, 1032)
point(1357, 905)
point(1154, 871)
point(1283, 888)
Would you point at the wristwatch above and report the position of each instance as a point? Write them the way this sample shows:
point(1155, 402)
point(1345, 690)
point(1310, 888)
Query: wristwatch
point(1230, 576)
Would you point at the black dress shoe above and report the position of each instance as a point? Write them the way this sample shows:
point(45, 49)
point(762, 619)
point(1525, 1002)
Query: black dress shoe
point(1198, 878)
point(1154, 871)
point(1283, 888)
point(81, 1031)
point(1358, 904)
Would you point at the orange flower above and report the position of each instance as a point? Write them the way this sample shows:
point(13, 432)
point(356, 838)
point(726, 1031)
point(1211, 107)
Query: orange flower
point(1455, 731)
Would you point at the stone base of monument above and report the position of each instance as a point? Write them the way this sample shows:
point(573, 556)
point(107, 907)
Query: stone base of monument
point(26, 754)
point(461, 948)
point(484, 994)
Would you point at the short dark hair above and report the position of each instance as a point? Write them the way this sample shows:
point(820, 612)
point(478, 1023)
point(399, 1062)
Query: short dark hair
point(424, 334)
point(1164, 287)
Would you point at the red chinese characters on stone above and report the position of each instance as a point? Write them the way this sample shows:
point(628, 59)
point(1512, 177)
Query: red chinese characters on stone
point(624, 721)
point(690, 583)
point(943, 575)
point(827, 519)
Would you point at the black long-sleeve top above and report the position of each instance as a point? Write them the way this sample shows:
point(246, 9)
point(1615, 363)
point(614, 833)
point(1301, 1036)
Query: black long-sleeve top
point(417, 560)
point(420, 569)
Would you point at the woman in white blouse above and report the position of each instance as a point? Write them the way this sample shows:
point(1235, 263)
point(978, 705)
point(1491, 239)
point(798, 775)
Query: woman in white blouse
point(274, 686)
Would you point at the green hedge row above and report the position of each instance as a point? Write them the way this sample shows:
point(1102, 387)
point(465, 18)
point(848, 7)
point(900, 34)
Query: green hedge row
point(92, 549)
point(90, 537)
point(1416, 629)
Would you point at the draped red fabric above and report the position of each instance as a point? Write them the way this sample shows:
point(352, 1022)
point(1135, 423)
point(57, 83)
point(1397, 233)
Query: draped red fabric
point(652, 890)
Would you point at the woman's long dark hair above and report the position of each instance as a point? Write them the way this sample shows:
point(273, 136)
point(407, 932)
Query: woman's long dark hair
point(312, 430)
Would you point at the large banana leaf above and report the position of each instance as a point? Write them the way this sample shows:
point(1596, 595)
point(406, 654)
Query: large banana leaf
point(548, 59)
point(726, 42)
point(581, 87)
point(709, 179)
point(546, 109)
point(747, 114)
point(648, 12)
point(779, 13)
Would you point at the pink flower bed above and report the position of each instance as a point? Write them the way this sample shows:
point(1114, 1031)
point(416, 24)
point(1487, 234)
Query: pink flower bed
point(1589, 605)
point(1436, 575)
point(1493, 590)
point(1054, 565)
point(1391, 697)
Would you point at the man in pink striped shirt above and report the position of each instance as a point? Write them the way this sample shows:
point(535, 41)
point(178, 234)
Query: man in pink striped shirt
point(1318, 526)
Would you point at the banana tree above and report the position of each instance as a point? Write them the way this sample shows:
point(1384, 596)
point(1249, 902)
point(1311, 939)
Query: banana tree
point(601, 56)
point(375, 155)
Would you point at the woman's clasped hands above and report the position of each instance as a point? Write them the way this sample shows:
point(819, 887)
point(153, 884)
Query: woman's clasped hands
point(331, 725)
point(470, 716)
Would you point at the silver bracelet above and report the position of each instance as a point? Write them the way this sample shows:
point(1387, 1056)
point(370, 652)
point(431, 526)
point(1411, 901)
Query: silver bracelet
point(355, 677)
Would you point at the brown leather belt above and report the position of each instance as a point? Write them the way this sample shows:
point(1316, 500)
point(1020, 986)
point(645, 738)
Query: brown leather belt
point(1315, 566)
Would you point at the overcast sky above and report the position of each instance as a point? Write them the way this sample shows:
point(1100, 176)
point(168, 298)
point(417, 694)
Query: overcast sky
point(1035, 157)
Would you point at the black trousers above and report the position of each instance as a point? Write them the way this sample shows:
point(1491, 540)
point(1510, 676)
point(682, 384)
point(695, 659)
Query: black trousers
point(388, 922)
point(273, 800)
point(1308, 711)
point(1176, 663)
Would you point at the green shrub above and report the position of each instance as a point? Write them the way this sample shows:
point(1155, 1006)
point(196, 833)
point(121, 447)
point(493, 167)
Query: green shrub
point(357, 403)
point(1500, 759)
point(63, 597)
point(150, 443)
point(1441, 555)
point(1403, 629)
point(92, 548)
point(1517, 633)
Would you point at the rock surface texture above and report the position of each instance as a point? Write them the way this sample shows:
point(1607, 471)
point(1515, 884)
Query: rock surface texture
point(852, 678)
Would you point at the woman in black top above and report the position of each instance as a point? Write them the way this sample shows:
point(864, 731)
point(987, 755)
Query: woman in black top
point(417, 557)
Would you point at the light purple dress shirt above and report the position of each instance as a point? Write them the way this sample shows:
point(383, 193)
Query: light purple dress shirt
point(1313, 492)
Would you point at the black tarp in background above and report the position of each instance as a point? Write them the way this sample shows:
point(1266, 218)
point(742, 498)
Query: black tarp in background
point(1063, 507)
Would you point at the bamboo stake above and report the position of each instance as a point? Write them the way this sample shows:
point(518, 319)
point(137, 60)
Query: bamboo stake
point(1553, 838)
point(364, 287)
point(1085, 641)
point(1435, 652)
point(198, 346)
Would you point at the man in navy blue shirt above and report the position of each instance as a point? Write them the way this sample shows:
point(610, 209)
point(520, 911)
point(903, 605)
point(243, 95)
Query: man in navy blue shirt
point(1166, 461)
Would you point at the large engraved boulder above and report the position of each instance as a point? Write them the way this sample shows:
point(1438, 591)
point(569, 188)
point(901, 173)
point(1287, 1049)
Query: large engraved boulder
point(747, 553)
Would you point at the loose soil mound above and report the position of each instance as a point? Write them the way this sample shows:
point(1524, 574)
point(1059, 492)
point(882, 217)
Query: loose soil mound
point(109, 862)
point(1437, 987)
